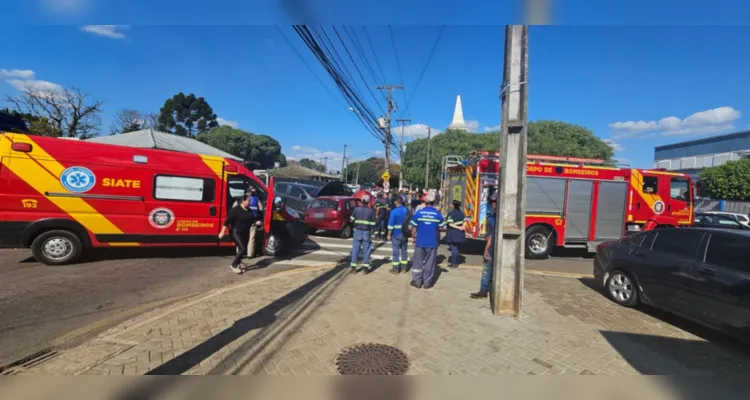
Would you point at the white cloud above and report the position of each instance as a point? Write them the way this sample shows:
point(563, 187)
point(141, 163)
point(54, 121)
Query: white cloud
point(622, 161)
point(227, 122)
point(24, 80)
point(703, 122)
point(378, 152)
point(333, 158)
point(110, 31)
point(416, 131)
point(617, 147)
point(472, 125)
point(492, 128)
point(17, 73)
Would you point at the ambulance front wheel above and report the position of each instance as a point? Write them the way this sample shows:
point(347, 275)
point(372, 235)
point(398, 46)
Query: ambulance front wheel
point(56, 247)
point(540, 241)
point(273, 245)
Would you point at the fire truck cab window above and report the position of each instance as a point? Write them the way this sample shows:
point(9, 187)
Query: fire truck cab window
point(181, 188)
point(678, 189)
point(650, 184)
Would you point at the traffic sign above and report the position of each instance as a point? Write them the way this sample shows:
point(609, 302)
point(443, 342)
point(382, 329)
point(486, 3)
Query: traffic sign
point(386, 176)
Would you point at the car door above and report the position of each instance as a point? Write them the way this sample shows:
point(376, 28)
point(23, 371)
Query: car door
point(297, 199)
point(679, 202)
point(722, 282)
point(663, 268)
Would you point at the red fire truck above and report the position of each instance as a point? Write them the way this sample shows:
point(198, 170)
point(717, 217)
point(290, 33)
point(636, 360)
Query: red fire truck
point(573, 202)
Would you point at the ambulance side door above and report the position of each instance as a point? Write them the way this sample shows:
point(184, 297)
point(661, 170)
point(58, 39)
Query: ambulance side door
point(184, 208)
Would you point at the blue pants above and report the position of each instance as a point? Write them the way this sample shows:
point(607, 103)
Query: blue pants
point(361, 239)
point(400, 259)
point(423, 265)
point(382, 226)
point(454, 253)
point(484, 285)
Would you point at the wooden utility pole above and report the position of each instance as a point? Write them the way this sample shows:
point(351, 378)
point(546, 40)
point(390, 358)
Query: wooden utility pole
point(403, 150)
point(391, 106)
point(509, 235)
point(427, 167)
point(343, 164)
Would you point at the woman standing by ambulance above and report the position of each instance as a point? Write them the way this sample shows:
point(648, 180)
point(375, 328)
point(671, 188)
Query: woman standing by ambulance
point(455, 231)
point(241, 219)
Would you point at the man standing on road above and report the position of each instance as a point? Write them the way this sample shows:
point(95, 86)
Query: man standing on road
point(425, 230)
point(489, 253)
point(397, 236)
point(381, 207)
point(363, 220)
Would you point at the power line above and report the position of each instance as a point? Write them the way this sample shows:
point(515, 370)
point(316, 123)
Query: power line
point(357, 68)
point(398, 63)
point(361, 52)
point(372, 48)
point(427, 63)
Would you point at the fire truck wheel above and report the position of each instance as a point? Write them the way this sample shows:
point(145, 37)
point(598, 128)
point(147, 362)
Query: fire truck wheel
point(56, 247)
point(539, 242)
point(273, 246)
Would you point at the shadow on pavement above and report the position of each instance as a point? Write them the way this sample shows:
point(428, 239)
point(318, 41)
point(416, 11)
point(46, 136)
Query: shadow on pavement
point(262, 320)
point(712, 336)
point(684, 359)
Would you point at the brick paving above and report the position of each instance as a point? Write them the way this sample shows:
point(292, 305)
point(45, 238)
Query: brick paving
point(295, 324)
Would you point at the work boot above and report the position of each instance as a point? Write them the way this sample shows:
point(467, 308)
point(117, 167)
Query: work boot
point(395, 271)
point(367, 271)
point(479, 295)
point(353, 271)
point(416, 285)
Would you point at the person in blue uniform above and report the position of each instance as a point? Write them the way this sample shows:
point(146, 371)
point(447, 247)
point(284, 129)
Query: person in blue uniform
point(363, 220)
point(455, 232)
point(381, 208)
point(425, 230)
point(397, 236)
point(489, 253)
point(256, 207)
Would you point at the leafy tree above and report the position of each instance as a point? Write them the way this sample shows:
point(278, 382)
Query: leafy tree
point(362, 172)
point(281, 159)
point(186, 115)
point(544, 137)
point(42, 127)
point(250, 147)
point(308, 163)
point(730, 181)
point(69, 112)
point(127, 120)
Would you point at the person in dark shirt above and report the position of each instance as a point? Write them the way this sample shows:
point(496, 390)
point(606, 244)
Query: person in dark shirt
point(240, 219)
point(489, 253)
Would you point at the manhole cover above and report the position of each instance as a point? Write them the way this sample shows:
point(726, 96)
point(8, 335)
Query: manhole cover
point(371, 359)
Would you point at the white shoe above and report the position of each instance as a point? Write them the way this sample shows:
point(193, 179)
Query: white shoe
point(236, 270)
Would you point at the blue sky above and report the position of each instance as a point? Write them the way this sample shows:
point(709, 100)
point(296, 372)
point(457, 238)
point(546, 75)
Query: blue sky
point(639, 86)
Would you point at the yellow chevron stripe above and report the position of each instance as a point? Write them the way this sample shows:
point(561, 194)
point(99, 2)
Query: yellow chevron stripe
point(216, 164)
point(42, 181)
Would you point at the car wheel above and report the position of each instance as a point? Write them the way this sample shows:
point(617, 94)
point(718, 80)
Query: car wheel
point(56, 247)
point(540, 241)
point(621, 288)
point(273, 246)
point(346, 233)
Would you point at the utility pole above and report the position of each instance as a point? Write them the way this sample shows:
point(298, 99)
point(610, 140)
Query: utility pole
point(391, 106)
point(509, 235)
point(343, 163)
point(356, 179)
point(320, 170)
point(403, 150)
point(325, 165)
point(427, 167)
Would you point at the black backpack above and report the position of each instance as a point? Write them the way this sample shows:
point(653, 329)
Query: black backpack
point(405, 227)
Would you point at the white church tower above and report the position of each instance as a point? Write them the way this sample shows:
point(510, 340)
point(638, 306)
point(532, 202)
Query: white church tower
point(458, 116)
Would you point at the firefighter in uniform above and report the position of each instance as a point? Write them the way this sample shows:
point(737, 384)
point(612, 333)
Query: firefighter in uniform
point(381, 207)
point(425, 230)
point(363, 220)
point(455, 232)
point(397, 236)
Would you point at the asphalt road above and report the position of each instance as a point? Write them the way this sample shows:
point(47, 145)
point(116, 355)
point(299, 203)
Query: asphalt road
point(43, 307)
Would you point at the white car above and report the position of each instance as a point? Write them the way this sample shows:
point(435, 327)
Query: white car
point(741, 218)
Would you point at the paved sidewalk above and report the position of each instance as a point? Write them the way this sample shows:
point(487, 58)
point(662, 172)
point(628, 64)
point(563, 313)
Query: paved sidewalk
point(296, 323)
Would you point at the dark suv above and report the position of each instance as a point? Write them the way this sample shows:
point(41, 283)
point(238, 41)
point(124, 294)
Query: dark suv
point(702, 274)
point(298, 195)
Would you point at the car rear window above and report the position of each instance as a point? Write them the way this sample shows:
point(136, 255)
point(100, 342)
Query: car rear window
point(678, 242)
point(730, 252)
point(324, 203)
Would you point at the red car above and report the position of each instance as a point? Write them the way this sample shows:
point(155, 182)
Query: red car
point(331, 213)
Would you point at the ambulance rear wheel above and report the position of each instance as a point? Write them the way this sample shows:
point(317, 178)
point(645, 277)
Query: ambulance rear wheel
point(539, 242)
point(273, 246)
point(56, 247)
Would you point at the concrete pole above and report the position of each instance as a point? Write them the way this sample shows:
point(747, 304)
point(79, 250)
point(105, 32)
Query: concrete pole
point(427, 166)
point(509, 235)
point(343, 165)
point(390, 106)
point(401, 170)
